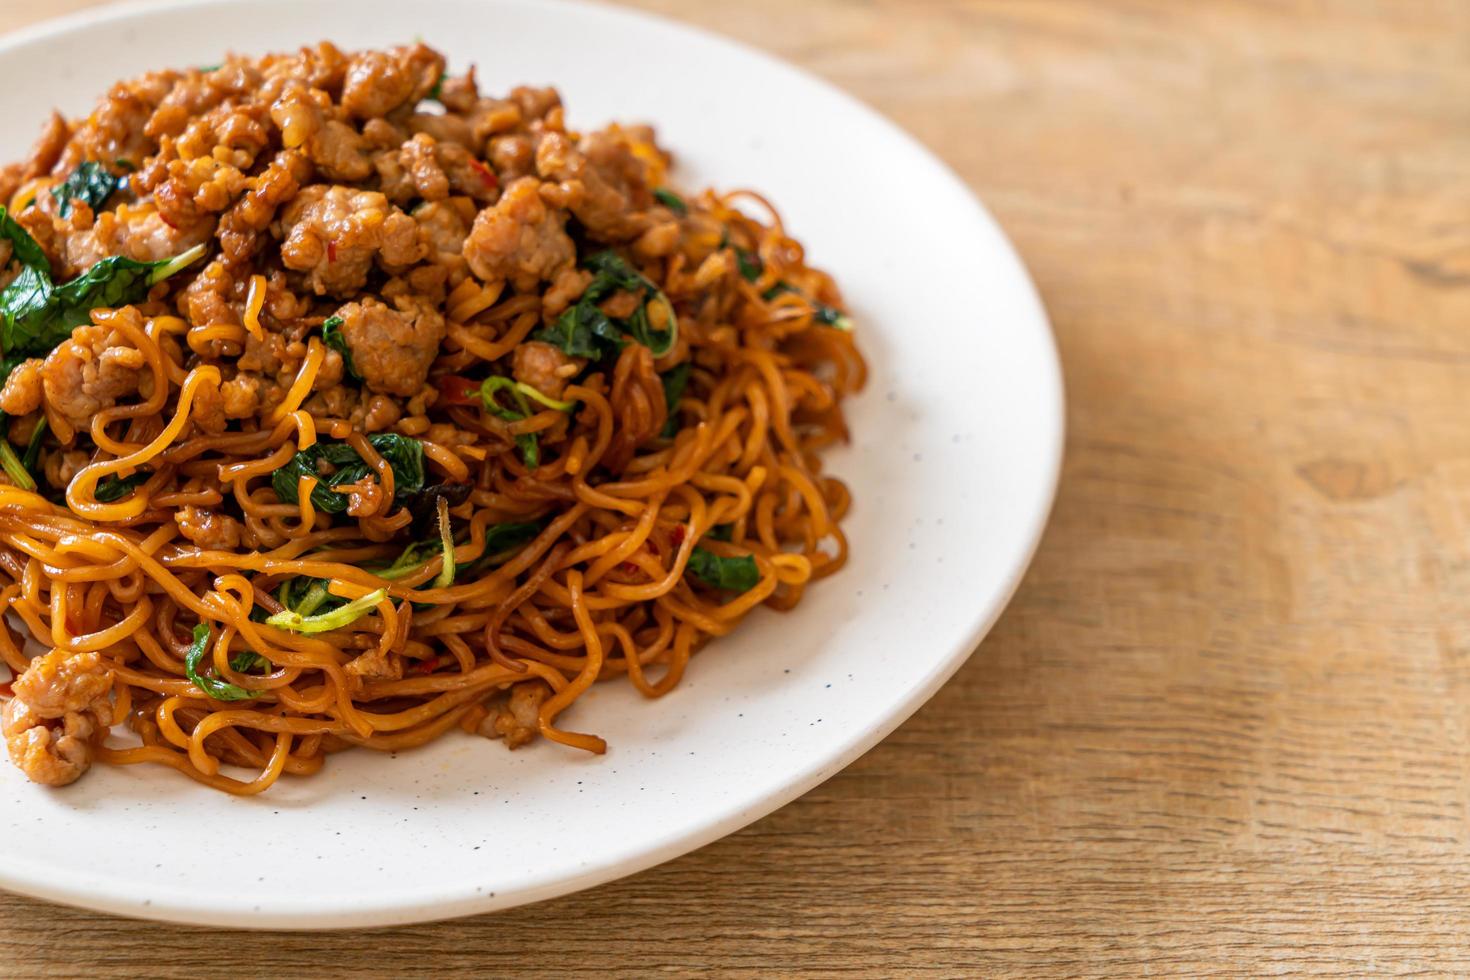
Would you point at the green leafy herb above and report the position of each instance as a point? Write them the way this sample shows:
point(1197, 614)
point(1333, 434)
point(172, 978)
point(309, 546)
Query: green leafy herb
point(90, 183)
point(675, 380)
point(670, 200)
point(501, 541)
point(12, 465)
point(501, 538)
point(520, 408)
point(112, 487)
point(247, 660)
point(584, 330)
point(123, 163)
point(420, 553)
point(26, 251)
point(208, 683)
point(738, 574)
point(750, 264)
point(437, 92)
point(335, 464)
point(36, 314)
point(305, 595)
point(335, 619)
point(33, 448)
point(829, 316)
point(332, 337)
point(721, 532)
point(206, 69)
point(414, 557)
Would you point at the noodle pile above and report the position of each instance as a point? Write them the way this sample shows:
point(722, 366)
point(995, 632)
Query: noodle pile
point(352, 565)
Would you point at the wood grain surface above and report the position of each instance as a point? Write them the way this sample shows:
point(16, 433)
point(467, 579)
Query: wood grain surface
point(1223, 727)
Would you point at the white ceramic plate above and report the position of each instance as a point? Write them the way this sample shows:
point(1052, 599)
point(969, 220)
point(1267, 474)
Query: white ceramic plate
point(954, 459)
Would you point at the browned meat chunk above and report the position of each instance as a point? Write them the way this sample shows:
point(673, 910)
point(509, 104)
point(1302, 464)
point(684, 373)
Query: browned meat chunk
point(241, 395)
point(601, 181)
point(334, 233)
point(49, 753)
point(22, 392)
point(380, 81)
point(517, 721)
point(207, 528)
point(392, 349)
point(60, 699)
point(520, 239)
point(443, 226)
point(308, 122)
point(240, 230)
point(90, 372)
point(146, 236)
point(60, 682)
point(543, 367)
point(565, 289)
point(62, 466)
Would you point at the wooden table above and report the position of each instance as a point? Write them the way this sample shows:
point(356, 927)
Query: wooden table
point(1223, 726)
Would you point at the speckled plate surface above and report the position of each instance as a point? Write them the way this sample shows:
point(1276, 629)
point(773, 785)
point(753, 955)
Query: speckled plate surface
point(953, 464)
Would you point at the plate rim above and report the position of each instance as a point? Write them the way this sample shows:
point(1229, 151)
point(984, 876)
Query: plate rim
point(814, 771)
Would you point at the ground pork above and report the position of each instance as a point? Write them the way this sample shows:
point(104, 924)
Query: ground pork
point(443, 227)
point(392, 347)
point(600, 180)
point(60, 700)
point(516, 720)
point(23, 390)
point(378, 82)
point(207, 528)
point(91, 371)
point(543, 367)
point(333, 234)
point(520, 239)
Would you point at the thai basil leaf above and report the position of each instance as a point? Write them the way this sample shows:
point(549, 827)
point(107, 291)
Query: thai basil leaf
point(750, 264)
point(828, 316)
point(585, 331)
point(247, 660)
point(305, 595)
point(36, 314)
point(501, 541)
point(675, 380)
point(209, 684)
point(11, 463)
point(33, 448)
point(737, 574)
point(659, 340)
point(26, 251)
point(670, 200)
point(420, 553)
point(526, 442)
point(404, 454)
point(112, 487)
point(500, 538)
point(90, 183)
point(332, 337)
